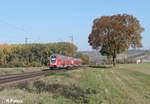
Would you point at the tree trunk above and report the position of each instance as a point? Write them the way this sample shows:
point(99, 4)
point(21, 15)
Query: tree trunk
point(114, 61)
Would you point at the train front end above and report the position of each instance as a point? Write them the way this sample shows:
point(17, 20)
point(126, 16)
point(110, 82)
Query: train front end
point(55, 61)
point(52, 62)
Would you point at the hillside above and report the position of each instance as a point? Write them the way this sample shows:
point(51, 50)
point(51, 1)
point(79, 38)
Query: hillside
point(95, 56)
point(134, 54)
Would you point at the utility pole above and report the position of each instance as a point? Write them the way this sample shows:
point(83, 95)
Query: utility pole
point(72, 42)
point(26, 40)
point(26, 46)
point(72, 39)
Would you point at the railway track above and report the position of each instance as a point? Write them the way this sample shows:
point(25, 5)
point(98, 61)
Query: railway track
point(17, 78)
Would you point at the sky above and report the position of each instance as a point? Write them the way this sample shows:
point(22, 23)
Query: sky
point(45, 21)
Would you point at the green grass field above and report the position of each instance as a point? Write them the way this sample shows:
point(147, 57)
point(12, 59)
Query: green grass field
point(127, 84)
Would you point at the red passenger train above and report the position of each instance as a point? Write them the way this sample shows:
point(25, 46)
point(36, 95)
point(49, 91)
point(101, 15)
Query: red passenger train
point(61, 61)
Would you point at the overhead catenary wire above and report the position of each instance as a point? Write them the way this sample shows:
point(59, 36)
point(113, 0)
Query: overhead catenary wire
point(17, 28)
point(14, 26)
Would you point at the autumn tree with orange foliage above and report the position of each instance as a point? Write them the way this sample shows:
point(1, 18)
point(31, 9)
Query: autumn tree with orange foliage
point(115, 34)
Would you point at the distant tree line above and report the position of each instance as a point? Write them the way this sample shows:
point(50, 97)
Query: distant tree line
point(36, 54)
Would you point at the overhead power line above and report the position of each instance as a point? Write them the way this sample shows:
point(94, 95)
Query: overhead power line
point(14, 26)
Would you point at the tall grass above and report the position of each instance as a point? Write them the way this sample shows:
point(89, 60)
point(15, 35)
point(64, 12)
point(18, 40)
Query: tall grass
point(126, 85)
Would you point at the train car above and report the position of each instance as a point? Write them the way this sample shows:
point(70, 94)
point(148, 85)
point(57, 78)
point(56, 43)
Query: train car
point(61, 61)
point(77, 62)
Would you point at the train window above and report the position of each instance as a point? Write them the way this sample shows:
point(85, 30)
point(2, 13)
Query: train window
point(53, 59)
point(53, 56)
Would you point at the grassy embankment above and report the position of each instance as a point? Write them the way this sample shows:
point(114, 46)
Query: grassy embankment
point(128, 84)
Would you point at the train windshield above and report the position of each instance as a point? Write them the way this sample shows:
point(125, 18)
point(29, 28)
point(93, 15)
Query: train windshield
point(53, 58)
